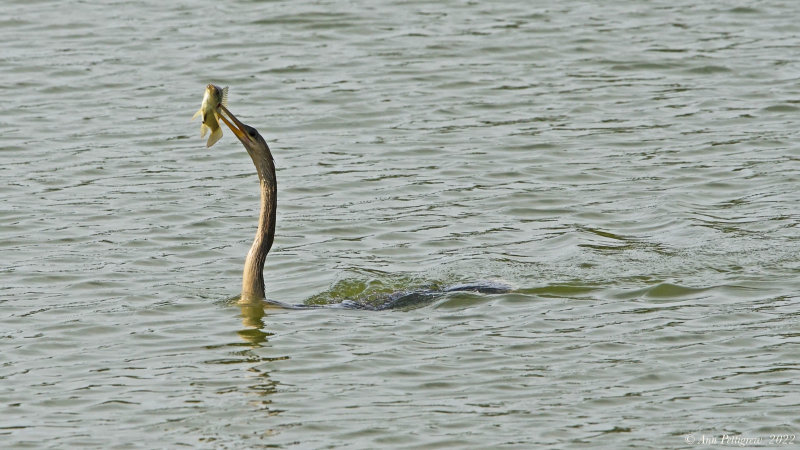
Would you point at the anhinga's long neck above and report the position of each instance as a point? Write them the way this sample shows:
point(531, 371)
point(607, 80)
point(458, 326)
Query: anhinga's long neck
point(253, 276)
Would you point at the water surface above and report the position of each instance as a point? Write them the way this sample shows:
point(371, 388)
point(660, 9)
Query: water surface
point(631, 169)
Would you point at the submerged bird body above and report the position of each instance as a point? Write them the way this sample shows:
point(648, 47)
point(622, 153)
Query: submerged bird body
point(209, 112)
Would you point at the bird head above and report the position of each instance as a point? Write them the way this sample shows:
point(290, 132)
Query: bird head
point(249, 136)
point(255, 145)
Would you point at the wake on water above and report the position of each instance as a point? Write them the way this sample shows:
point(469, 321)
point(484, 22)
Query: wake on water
point(406, 299)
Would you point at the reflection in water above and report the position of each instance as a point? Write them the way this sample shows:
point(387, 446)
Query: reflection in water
point(252, 314)
point(254, 334)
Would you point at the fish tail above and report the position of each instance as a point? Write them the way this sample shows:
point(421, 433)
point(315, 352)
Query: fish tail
point(215, 136)
point(203, 129)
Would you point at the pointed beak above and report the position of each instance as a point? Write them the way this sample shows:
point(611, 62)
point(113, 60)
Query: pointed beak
point(234, 124)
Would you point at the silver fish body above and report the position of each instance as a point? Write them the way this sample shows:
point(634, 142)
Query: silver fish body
point(209, 111)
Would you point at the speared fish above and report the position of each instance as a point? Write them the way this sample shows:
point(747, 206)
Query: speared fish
point(209, 111)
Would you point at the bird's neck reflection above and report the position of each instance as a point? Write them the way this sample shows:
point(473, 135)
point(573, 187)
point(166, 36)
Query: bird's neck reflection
point(252, 314)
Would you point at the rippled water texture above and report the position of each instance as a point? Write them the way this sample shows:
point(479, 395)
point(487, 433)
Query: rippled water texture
point(631, 168)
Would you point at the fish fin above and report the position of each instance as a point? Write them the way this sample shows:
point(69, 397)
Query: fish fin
point(215, 136)
point(199, 112)
point(224, 96)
